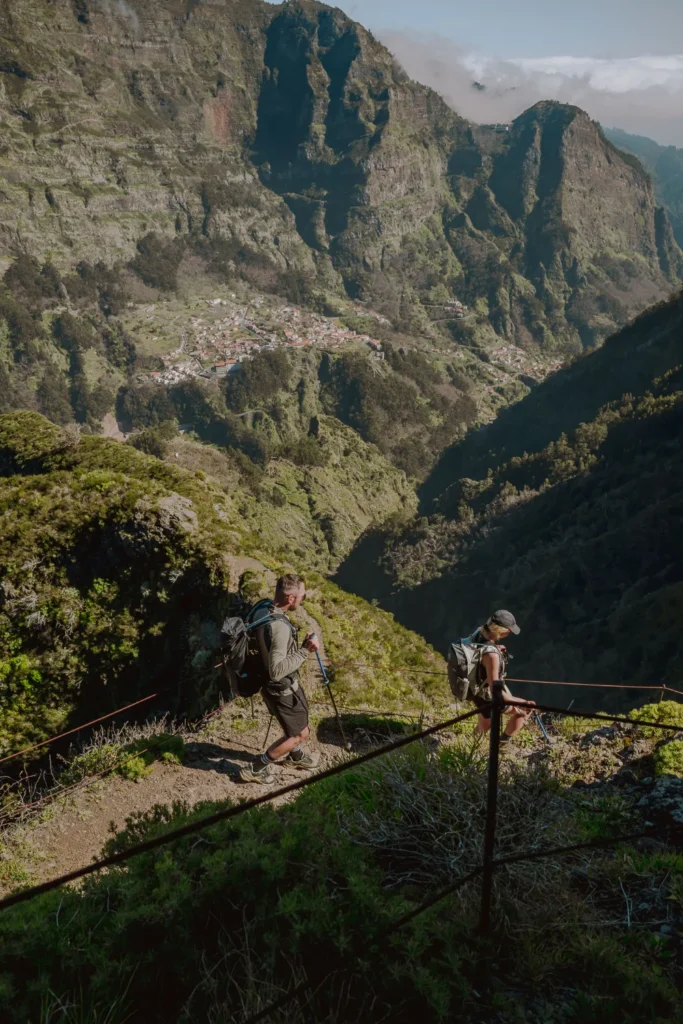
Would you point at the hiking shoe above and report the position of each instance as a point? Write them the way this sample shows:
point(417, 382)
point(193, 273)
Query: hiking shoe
point(306, 762)
point(249, 773)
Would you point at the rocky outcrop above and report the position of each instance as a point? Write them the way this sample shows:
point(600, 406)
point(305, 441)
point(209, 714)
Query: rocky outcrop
point(663, 804)
point(665, 164)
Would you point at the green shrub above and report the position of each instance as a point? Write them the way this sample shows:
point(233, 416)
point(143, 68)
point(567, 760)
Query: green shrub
point(92, 762)
point(193, 929)
point(669, 759)
point(133, 761)
point(667, 711)
point(157, 262)
point(135, 768)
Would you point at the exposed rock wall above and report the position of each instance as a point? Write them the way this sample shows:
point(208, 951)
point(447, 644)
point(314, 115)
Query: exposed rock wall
point(292, 131)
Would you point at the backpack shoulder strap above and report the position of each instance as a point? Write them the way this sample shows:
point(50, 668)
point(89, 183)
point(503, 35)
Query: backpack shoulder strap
point(265, 614)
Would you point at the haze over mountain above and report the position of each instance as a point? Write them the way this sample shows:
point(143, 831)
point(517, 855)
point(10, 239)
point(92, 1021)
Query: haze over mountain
point(619, 61)
point(641, 95)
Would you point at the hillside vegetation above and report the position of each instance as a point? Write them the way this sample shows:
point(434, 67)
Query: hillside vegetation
point(577, 535)
point(115, 570)
point(216, 926)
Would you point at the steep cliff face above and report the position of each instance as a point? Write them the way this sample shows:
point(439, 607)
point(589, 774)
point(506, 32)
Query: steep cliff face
point(665, 164)
point(126, 118)
point(358, 151)
point(585, 227)
point(291, 133)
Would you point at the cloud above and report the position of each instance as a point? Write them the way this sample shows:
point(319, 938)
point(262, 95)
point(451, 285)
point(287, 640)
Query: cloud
point(619, 75)
point(639, 94)
point(123, 10)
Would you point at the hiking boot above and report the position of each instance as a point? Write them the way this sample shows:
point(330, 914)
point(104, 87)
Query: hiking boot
point(251, 773)
point(305, 762)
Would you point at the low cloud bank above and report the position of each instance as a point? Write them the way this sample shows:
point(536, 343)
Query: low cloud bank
point(643, 95)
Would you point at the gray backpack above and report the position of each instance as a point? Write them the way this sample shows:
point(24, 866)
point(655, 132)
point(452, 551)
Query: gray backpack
point(464, 659)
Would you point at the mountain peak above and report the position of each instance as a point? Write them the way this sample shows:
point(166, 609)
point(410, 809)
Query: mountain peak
point(290, 133)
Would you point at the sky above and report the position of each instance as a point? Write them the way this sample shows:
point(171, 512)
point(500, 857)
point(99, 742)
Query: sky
point(621, 60)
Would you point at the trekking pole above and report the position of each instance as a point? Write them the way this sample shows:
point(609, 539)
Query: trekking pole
point(326, 682)
point(270, 726)
point(540, 722)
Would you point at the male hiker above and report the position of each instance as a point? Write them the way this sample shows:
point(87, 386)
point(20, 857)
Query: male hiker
point(283, 694)
point(492, 667)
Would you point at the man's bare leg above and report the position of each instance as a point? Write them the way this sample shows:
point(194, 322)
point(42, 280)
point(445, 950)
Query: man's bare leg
point(286, 745)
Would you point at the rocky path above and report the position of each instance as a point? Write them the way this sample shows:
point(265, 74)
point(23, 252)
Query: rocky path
point(70, 832)
point(75, 828)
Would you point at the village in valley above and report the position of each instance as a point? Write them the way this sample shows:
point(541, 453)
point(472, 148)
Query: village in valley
point(217, 335)
point(212, 337)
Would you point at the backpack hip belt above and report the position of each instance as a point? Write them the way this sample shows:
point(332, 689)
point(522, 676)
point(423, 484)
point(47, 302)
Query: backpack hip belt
point(281, 693)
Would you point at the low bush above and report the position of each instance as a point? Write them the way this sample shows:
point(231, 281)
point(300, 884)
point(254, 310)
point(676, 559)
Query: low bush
point(667, 711)
point(668, 759)
point(133, 761)
point(213, 926)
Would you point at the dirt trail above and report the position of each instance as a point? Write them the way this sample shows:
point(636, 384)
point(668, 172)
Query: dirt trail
point(81, 823)
point(73, 831)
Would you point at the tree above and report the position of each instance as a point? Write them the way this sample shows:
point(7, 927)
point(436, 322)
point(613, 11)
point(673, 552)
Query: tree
point(53, 397)
point(157, 262)
point(147, 406)
point(258, 381)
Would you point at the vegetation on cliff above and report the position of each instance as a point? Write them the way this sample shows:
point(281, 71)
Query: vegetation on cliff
point(114, 575)
point(259, 141)
point(665, 164)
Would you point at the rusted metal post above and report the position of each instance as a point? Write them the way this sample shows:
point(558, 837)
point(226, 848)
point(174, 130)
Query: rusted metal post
point(491, 804)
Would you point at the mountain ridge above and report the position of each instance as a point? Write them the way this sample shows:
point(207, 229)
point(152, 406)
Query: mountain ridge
point(290, 135)
point(563, 509)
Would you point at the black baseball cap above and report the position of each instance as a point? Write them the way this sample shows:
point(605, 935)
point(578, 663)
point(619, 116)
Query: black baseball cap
point(505, 619)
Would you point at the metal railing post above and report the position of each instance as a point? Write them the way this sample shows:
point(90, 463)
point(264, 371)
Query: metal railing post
point(491, 804)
